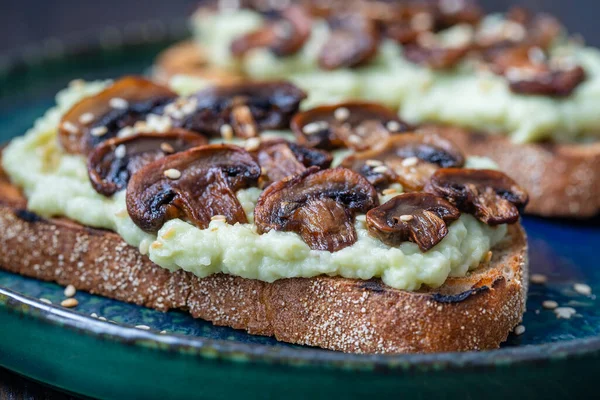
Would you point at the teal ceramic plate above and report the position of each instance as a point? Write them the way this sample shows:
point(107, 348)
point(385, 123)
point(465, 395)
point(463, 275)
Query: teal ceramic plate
point(113, 359)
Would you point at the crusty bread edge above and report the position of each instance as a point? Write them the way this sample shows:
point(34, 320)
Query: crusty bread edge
point(563, 180)
point(473, 313)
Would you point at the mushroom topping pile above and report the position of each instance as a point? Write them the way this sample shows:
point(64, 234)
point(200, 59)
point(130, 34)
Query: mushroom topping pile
point(356, 125)
point(285, 34)
point(279, 159)
point(245, 108)
point(193, 185)
point(112, 163)
point(100, 117)
point(318, 205)
point(417, 217)
point(491, 196)
point(409, 159)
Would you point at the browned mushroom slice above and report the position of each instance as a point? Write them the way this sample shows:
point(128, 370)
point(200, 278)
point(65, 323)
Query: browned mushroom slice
point(112, 163)
point(529, 71)
point(421, 218)
point(429, 51)
point(319, 205)
point(491, 196)
point(279, 159)
point(247, 107)
point(100, 117)
point(453, 12)
point(283, 36)
point(409, 159)
point(194, 185)
point(358, 125)
point(354, 41)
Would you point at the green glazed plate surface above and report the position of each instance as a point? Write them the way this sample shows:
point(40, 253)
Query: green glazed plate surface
point(112, 359)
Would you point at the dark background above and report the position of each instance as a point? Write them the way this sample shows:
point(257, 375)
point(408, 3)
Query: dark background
point(26, 23)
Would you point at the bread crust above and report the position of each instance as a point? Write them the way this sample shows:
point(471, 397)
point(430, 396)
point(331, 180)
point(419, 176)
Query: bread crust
point(563, 180)
point(472, 313)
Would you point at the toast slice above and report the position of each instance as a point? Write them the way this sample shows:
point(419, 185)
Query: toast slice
point(472, 313)
point(563, 180)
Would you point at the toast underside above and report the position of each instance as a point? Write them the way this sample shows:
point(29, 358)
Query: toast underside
point(475, 312)
point(563, 180)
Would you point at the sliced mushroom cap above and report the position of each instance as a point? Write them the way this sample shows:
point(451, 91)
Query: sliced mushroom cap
point(279, 159)
point(194, 185)
point(441, 50)
point(491, 196)
point(112, 163)
point(319, 205)
point(357, 125)
point(283, 36)
point(409, 159)
point(354, 41)
point(529, 71)
point(246, 107)
point(421, 218)
point(100, 117)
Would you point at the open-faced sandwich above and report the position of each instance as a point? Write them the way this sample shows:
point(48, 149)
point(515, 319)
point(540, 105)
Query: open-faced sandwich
point(514, 86)
point(340, 226)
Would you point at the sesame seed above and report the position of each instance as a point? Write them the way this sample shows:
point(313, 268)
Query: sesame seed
point(361, 218)
point(488, 257)
point(167, 148)
point(564, 312)
point(252, 144)
point(46, 301)
point(163, 332)
point(94, 315)
point(341, 113)
point(393, 126)
point(98, 131)
point(144, 247)
point(373, 163)
point(144, 327)
point(70, 127)
point(130, 131)
point(69, 303)
point(120, 151)
point(410, 162)
point(117, 102)
point(355, 139)
point(70, 291)
point(226, 131)
point(77, 83)
point(538, 279)
point(389, 191)
point(380, 169)
point(421, 21)
point(314, 127)
point(536, 55)
point(406, 218)
point(583, 289)
point(86, 118)
point(218, 217)
point(519, 330)
point(549, 304)
point(102, 319)
point(172, 173)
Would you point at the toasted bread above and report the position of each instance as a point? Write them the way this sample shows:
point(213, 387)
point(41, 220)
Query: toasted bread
point(471, 313)
point(563, 180)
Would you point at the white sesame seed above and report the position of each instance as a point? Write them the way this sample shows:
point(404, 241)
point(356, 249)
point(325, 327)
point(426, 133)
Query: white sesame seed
point(538, 279)
point(70, 291)
point(70, 127)
point(410, 162)
point(421, 21)
point(549, 304)
point(341, 113)
point(519, 330)
point(69, 303)
point(117, 102)
point(314, 127)
point(380, 169)
point(536, 55)
point(94, 315)
point(373, 163)
point(355, 139)
point(583, 289)
point(46, 301)
point(130, 131)
point(167, 148)
point(252, 144)
point(218, 217)
point(163, 332)
point(361, 218)
point(173, 174)
point(98, 131)
point(226, 132)
point(120, 151)
point(393, 126)
point(102, 319)
point(144, 247)
point(406, 218)
point(144, 327)
point(77, 83)
point(564, 312)
point(86, 118)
